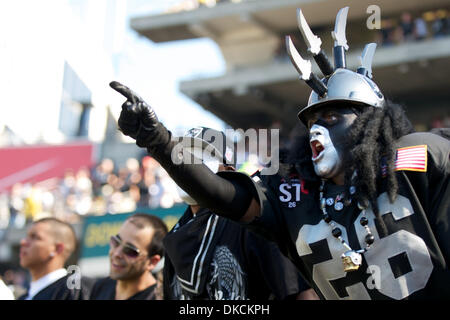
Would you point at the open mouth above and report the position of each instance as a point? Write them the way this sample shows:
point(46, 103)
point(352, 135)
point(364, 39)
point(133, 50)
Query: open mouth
point(317, 149)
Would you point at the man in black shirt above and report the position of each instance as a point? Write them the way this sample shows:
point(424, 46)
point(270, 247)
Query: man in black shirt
point(134, 253)
point(48, 245)
point(213, 258)
point(365, 216)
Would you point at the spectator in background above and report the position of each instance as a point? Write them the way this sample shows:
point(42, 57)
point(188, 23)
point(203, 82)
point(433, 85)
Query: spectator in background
point(5, 216)
point(134, 253)
point(148, 178)
point(101, 173)
point(440, 22)
point(16, 281)
point(407, 25)
point(5, 292)
point(49, 244)
point(386, 34)
point(84, 192)
point(16, 203)
point(420, 29)
point(33, 203)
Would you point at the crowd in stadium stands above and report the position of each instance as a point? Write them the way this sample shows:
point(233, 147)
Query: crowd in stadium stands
point(96, 191)
point(102, 189)
point(408, 27)
point(105, 188)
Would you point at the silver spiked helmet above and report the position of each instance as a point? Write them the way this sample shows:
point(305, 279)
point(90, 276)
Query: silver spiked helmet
point(342, 84)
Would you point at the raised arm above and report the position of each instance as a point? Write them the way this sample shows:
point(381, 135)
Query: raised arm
point(228, 198)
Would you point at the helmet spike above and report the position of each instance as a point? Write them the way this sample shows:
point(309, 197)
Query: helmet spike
point(366, 60)
point(314, 43)
point(342, 85)
point(304, 69)
point(340, 40)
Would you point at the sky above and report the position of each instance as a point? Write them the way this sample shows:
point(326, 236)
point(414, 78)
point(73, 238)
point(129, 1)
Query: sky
point(37, 38)
point(154, 71)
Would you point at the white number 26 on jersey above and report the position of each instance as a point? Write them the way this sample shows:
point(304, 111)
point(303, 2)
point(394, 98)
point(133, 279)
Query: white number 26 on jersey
point(399, 244)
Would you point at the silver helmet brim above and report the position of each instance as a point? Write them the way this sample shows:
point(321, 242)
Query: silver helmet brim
point(348, 87)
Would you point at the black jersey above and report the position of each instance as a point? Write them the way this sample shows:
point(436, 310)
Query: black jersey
point(59, 290)
point(410, 261)
point(105, 289)
point(213, 258)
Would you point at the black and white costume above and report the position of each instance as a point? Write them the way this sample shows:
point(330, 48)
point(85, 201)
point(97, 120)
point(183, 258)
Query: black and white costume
point(209, 257)
point(411, 261)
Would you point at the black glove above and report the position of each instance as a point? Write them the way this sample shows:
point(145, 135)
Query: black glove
point(139, 121)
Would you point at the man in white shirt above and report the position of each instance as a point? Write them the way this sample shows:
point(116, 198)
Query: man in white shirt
point(48, 245)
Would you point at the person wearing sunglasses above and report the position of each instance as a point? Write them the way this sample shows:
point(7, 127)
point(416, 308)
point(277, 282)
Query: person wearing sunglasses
point(134, 254)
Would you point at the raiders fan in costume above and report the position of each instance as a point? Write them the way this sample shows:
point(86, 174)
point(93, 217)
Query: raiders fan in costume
point(372, 222)
point(211, 257)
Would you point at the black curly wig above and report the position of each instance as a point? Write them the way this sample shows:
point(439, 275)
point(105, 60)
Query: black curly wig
point(371, 142)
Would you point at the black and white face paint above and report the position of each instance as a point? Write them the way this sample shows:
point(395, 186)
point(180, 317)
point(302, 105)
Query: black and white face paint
point(328, 133)
point(325, 157)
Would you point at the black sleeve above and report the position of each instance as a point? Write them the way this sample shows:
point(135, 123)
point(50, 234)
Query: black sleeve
point(226, 198)
point(94, 291)
point(168, 278)
point(266, 223)
point(102, 289)
point(439, 215)
point(435, 185)
point(279, 274)
point(87, 285)
point(270, 223)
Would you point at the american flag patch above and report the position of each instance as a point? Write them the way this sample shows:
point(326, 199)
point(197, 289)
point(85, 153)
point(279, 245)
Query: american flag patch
point(412, 158)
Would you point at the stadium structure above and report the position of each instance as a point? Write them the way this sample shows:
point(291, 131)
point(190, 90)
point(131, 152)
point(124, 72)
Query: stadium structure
point(261, 89)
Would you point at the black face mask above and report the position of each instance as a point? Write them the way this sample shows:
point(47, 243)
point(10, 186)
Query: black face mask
point(337, 120)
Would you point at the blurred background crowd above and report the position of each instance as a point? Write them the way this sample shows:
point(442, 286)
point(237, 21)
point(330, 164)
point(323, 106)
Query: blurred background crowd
point(102, 189)
point(414, 27)
point(217, 63)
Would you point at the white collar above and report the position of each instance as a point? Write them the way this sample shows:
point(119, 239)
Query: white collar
point(45, 281)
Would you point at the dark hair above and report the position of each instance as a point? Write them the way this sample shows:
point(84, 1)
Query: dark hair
point(371, 142)
point(62, 231)
point(142, 220)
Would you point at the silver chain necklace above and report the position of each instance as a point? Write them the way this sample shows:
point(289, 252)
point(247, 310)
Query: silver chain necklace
point(351, 259)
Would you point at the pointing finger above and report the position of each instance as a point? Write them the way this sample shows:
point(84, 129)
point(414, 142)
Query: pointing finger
point(125, 91)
